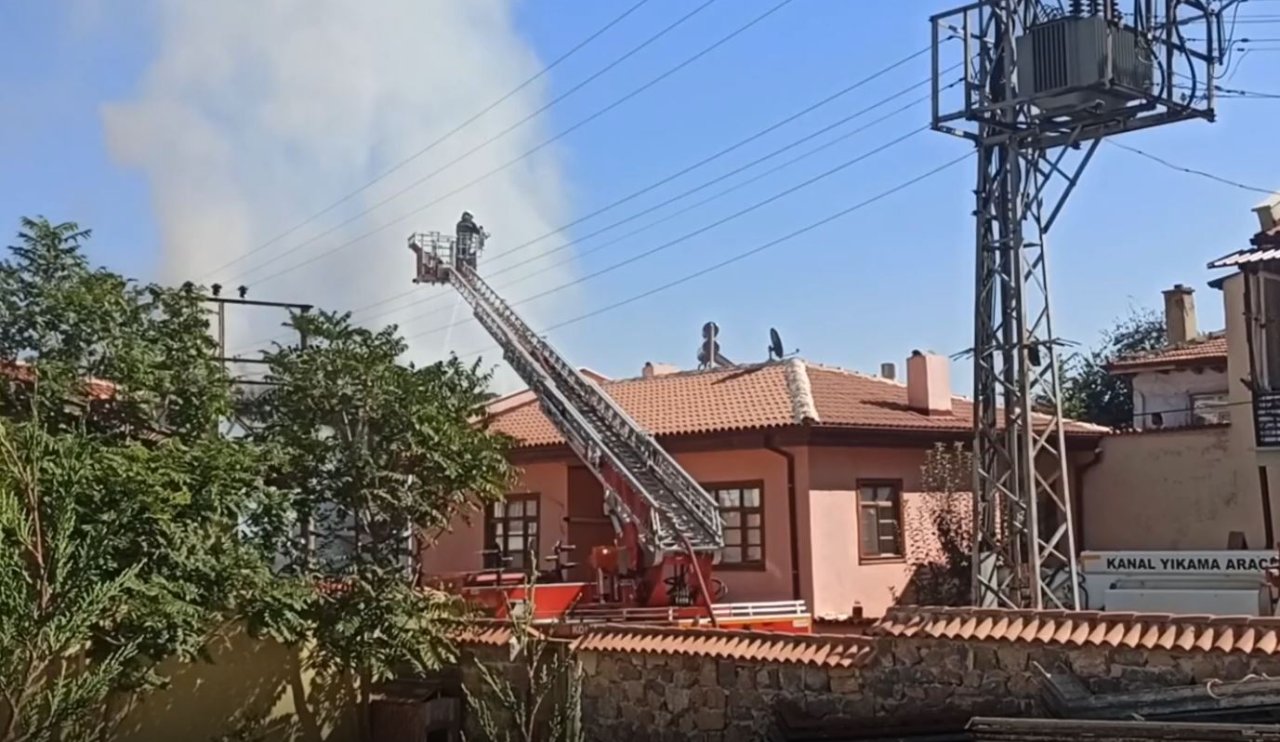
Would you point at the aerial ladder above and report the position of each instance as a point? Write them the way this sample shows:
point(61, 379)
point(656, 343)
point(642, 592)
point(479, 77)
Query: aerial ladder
point(667, 528)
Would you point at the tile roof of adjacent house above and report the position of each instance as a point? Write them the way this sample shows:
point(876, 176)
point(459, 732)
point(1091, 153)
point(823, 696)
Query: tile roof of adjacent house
point(1209, 350)
point(1240, 634)
point(766, 395)
point(759, 646)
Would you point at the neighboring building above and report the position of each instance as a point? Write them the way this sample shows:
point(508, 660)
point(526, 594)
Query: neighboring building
point(1185, 382)
point(1198, 476)
point(817, 471)
point(1251, 294)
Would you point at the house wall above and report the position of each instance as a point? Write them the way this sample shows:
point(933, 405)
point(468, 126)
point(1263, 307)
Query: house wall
point(252, 689)
point(460, 550)
point(1169, 393)
point(842, 579)
point(835, 581)
point(1180, 485)
point(1245, 458)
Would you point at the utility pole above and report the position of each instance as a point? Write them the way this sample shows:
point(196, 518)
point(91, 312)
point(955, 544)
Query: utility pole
point(222, 302)
point(238, 419)
point(1044, 84)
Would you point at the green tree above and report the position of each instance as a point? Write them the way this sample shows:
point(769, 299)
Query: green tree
point(120, 504)
point(376, 458)
point(1092, 394)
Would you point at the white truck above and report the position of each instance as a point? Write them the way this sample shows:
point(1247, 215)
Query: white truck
point(1180, 582)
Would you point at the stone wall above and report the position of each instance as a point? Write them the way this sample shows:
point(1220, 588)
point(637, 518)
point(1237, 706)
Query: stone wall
point(915, 667)
point(643, 696)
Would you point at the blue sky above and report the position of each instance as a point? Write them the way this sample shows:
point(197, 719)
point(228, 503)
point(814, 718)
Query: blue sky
point(867, 288)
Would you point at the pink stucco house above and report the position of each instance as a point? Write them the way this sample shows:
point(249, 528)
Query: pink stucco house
point(817, 470)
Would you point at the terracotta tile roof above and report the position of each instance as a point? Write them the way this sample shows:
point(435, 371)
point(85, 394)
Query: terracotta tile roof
point(22, 371)
point(1210, 350)
point(768, 395)
point(1240, 634)
point(761, 646)
point(485, 634)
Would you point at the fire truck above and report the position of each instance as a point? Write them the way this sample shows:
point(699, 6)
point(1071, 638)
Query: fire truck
point(667, 528)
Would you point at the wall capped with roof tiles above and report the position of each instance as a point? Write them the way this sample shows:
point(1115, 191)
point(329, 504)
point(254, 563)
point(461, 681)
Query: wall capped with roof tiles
point(635, 696)
point(916, 667)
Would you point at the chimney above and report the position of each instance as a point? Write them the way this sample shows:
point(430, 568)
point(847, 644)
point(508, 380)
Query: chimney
point(929, 383)
point(652, 369)
point(1180, 315)
point(1268, 213)
point(888, 371)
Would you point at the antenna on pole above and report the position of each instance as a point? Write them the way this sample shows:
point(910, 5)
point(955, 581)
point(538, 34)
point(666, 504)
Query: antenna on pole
point(1042, 89)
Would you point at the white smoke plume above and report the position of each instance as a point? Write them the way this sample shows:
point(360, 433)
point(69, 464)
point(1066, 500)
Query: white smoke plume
point(254, 114)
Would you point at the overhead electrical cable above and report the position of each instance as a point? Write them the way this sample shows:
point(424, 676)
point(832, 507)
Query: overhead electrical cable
point(701, 230)
point(719, 194)
point(687, 209)
point(742, 255)
point(527, 153)
point(1193, 171)
point(476, 116)
point(706, 160)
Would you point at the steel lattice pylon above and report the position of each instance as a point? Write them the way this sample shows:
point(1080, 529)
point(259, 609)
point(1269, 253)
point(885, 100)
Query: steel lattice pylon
point(1032, 148)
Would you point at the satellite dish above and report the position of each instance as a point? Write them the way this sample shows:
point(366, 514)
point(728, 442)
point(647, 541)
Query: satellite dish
point(775, 344)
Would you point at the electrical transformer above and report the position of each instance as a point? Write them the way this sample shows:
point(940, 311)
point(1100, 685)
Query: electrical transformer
point(1082, 64)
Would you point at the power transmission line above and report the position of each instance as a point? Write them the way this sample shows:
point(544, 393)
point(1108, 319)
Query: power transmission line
point(701, 230)
point(740, 256)
point(706, 160)
point(689, 192)
point(1192, 171)
point(740, 143)
point(529, 81)
point(637, 91)
point(685, 194)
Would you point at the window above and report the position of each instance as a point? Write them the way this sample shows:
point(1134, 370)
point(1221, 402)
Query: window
point(1209, 409)
point(880, 519)
point(511, 528)
point(742, 509)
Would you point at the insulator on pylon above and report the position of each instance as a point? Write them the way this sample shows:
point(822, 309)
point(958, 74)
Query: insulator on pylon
point(1077, 7)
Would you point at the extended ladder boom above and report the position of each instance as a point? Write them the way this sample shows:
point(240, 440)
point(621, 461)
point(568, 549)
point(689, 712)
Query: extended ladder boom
point(646, 492)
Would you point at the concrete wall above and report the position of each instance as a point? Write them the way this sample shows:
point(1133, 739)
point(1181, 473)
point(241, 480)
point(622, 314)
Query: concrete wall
point(1169, 393)
point(260, 689)
point(1180, 485)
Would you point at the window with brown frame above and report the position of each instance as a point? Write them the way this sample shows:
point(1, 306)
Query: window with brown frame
point(742, 510)
point(880, 519)
point(511, 529)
